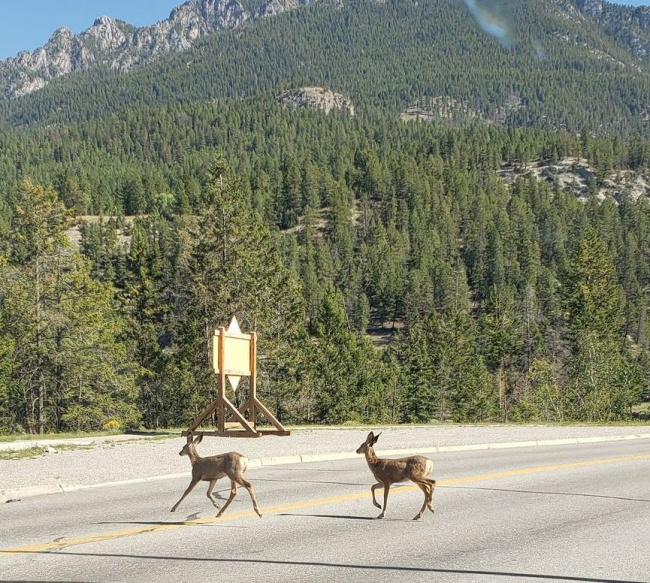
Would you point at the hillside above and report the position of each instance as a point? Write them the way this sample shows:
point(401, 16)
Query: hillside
point(425, 212)
point(563, 68)
point(120, 47)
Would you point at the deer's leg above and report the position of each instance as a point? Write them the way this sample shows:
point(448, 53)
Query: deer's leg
point(193, 483)
point(426, 488)
point(373, 488)
point(233, 493)
point(383, 511)
point(249, 487)
point(209, 494)
point(432, 484)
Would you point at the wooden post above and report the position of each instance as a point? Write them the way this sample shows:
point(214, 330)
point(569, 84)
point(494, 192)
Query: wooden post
point(253, 382)
point(221, 409)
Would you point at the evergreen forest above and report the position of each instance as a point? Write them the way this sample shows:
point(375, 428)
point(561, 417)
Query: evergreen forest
point(394, 271)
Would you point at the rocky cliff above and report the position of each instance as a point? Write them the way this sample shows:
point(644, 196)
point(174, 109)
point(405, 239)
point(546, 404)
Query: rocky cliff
point(121, 46)
point(628, 25)
point(315, 98)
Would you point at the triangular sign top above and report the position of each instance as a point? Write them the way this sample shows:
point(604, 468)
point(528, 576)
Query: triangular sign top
point(234, 326)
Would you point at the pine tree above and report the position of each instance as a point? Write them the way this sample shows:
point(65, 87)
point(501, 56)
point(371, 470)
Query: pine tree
point(229, 265)
point(67, 358)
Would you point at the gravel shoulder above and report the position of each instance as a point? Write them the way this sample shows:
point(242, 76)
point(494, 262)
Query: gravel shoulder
point(126, 458)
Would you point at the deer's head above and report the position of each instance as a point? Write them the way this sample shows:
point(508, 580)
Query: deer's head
point(368, 443)
point(190, 443)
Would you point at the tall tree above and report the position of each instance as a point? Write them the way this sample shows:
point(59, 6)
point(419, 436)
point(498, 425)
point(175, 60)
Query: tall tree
point(67, 357)
point(229, 265)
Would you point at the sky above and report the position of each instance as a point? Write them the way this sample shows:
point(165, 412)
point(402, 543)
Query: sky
point(28, 24)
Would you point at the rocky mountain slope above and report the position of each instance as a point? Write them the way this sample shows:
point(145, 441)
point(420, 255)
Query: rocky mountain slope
point(578, 177)
point(121, 47)
point(627, 25)
point(315, 98)
point(542, 63)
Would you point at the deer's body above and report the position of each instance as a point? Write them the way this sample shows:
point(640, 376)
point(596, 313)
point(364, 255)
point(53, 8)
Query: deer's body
point(393, 471)
point(210, 469)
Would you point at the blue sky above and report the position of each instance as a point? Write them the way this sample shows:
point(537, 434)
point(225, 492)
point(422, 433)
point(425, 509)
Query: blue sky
point(28, 24)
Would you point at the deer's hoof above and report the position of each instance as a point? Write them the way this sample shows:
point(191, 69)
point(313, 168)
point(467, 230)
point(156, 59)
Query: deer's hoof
point(381, 516)
point(173, 510)
point(376, 505)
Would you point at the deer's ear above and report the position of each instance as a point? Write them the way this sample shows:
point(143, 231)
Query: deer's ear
point(189, 437)
point(370, 437)
point(199, 439)
point(376, 437)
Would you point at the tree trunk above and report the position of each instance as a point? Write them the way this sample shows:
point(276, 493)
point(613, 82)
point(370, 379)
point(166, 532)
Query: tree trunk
point(41, 379)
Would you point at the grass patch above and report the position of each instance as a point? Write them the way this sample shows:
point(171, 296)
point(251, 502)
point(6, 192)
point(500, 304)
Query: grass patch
point(34, 452)
point(68, 447)
point(19, 454)
point(153, 433)
point(35, 437)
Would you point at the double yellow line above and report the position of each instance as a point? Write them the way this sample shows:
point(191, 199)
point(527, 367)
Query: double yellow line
point(42, 547)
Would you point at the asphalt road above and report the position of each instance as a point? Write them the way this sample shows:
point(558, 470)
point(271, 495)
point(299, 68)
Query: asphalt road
point(563, 513)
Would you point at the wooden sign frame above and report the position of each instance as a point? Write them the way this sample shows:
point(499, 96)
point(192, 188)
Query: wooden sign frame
point(234, 355)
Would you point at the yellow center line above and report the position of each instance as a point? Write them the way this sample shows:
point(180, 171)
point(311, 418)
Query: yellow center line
point(41, 547)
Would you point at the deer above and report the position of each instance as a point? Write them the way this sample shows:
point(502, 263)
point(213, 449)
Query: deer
point(210, 469)
point(393, 471)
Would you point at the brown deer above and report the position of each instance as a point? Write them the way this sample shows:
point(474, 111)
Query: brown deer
point(210, 469)
point(388, 471)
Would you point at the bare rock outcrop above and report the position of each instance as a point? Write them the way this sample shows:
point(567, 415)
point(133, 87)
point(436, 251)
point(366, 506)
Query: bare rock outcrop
point(315, 98)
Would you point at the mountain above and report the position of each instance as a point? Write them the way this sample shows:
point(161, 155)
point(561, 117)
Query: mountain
point(555, 64)
point(121, 47)
point(628, 25)
point(470, 244)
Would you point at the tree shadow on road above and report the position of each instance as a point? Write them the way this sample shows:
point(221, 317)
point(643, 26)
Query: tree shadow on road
point(545, 493)
point(380, 568)
point(310, 482)
point(285, 469)
point(330, 516)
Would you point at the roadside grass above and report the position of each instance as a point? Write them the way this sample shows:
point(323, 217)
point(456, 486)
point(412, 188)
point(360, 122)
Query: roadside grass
point(35, 436)
point(29, 453)
point(34, 452)
point(154, 433)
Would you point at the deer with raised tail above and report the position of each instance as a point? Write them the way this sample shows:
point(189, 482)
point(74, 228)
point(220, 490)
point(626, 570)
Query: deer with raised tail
point(210, 469)
point(393, 471)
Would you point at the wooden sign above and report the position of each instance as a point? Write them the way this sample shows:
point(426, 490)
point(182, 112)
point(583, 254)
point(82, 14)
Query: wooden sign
point(236, 352)
point(234, 355)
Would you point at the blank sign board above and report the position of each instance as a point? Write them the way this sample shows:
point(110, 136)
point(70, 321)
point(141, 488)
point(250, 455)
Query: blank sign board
point(236, 351)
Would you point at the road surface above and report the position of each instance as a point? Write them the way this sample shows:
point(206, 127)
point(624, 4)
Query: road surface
point(559, 513)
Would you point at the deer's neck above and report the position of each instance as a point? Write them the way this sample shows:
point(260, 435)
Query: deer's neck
point(371, 457)
point(194, 457)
